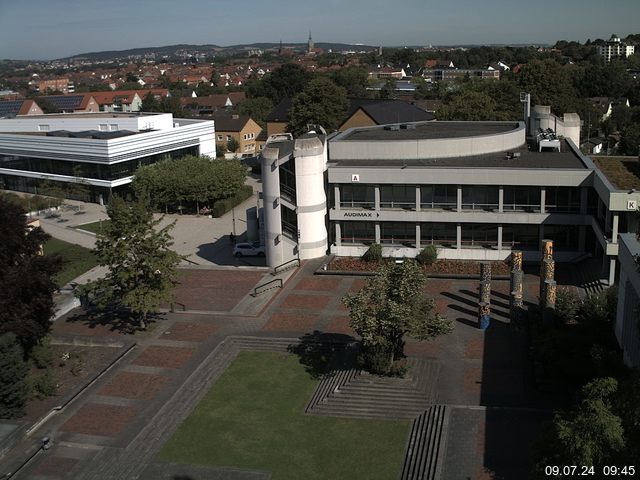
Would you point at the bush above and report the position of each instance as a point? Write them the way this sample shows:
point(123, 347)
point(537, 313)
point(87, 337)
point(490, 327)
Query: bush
point(373, 254)
point(43, 385)
point(567, 305)
point(375, 359)
point(13, 377)
point(223, 206)
point(41, 354)
point(428, 255)
point(599, 308)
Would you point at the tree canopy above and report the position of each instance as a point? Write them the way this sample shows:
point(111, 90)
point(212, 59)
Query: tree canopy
point(142, 266)
point(26, 284)
point(197, 180)
point(390, 306)
point(322, 102)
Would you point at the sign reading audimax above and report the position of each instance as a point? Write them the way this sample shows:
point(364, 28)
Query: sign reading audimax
point(360, 214)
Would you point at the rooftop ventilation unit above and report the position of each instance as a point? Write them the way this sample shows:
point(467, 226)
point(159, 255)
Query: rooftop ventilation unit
point(393, 128)
point(408, 126)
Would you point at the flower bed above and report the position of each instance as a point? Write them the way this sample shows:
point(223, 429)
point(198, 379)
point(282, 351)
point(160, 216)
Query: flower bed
point(454, 267)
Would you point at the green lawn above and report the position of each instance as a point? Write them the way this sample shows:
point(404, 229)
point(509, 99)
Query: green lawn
point(76, 259)
point(93, 227)
point(252, 418)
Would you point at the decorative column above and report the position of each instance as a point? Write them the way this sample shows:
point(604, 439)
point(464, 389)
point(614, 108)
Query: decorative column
point(547, 267)
point(484, 300)
point(517, 280)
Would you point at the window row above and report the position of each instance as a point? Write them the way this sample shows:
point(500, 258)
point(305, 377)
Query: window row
point(473, 235)
point(445, 197)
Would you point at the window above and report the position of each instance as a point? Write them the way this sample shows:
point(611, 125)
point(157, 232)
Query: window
point(358, 232)
point(398, 233)
point(398, 196)
point(228, 137)
point(43, 128)
point(444, 234)
point(479, 198)
point(562, 199)
point(565, 237)
point(520, 237)
point(522, 199)
point(113, 127)
point(220, 137)
point(357, 196)
point(479, 235)
point(441, 197)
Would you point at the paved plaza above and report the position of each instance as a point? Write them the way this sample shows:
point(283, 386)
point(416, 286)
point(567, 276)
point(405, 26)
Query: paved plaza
point(116, 427)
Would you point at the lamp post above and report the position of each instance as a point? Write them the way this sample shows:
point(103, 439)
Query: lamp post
point(233, 219)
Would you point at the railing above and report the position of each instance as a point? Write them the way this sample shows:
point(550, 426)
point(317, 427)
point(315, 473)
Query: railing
point(275, 283)
point(438, 205)
point(520, 207)
point(403, 205)
point(172, 307)
point(354, 204)
point(286, 266)
point(480, 206)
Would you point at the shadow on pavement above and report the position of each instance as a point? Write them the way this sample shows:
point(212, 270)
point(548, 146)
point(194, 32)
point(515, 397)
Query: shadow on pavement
point(220, 252)
point(317, 352)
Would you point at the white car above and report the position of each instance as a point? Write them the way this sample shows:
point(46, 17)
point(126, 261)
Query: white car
point(248, 250)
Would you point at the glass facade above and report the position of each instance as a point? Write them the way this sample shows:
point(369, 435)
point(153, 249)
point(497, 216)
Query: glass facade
point(358, 233)
point(565, 237)
point(521, 237)
point(443, 234)
point(357, 196)
point(562, 199)
point(288, 181)
point(72, 168)
point(522, 199)
point(289, 223)
point(398, 196)
point(480, 198)
point(398, 233)
point(479, 235)
point(439, 197)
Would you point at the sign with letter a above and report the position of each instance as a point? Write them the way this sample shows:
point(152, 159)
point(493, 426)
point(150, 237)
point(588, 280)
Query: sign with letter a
point(355, 177)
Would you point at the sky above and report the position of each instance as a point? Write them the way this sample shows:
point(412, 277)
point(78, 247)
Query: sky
point(47, 29)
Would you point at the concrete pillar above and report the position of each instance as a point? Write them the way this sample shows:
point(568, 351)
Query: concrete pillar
point(485, 272)
point(459, 199)
point(584, 192)
point(516, 260)
point(614, 230)
point(459, 236)
point(377, 197)
point(377, 232)
point(338, 231)
point(499, 238)
point(336, 196)
point(543, 200)
point(612, 271)
point(485, 292)
point(547, 267)
point(500, 199)
point(418, 236)
point(418, 198)
point(483, 309)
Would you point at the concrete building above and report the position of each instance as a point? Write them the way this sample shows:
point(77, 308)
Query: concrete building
point(615, 48)
point(101, 150)
point(62, 85)
point(626, 327)
point(476, 190)
point(241, 128)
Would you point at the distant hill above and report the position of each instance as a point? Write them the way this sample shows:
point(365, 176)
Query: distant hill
point(209, 49)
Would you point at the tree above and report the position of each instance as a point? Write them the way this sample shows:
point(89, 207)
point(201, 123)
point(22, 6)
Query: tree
point(150, 103)
point(353, 79)
point(142, 266)
point(285, 81)
point(388, 90)
point(630, 140)
point(468, 105)
point(256, 108)
point(233, 145)
point(13, 377)
point(390, 306)
point(26, 285)
point(322, 102)
point(589, 434)
point(549, 84)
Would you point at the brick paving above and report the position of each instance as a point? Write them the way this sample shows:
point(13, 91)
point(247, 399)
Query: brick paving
point(134, 385)
point(164, 357)
point(97, 419)
point(188, 332)
point(477, 368)
point(215, 290)
point(52, 465)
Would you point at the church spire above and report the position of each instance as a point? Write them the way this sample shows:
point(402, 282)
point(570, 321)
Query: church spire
point(310, 44)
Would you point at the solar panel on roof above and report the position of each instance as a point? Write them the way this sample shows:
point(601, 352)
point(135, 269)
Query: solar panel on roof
point(10, 108)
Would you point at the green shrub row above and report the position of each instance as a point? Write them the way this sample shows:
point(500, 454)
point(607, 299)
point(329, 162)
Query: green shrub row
point(223, 206)
point(32, 203)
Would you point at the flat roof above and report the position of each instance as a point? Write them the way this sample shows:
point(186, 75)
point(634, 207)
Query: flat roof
point(430, 130)
point(622, 172)
point(529, 159)
point(87, 114)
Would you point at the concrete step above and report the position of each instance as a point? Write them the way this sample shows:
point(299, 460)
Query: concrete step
point(364, 412)
point(414, 405)
point(355, 391)
point(425, 445)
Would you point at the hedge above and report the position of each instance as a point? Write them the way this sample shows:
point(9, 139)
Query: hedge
point(223, 206)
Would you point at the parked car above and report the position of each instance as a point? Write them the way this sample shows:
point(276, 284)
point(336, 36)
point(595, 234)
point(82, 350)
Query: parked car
point(248, 250)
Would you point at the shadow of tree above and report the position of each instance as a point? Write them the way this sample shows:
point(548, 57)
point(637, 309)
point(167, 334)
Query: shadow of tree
point(317, 351)
point(114, 320)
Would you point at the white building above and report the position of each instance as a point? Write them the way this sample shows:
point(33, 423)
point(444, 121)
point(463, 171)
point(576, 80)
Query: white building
point(101, 150)
point(626, 327)
point(615, 48)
